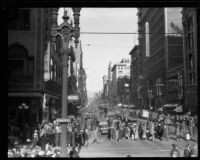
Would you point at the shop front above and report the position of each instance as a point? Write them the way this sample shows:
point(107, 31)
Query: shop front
point(24, 114)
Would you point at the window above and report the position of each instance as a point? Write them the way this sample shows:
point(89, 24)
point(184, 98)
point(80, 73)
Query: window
point(55, 70)
point(191, 78)
point(190, 41)
point(191, 63)
point(19, 19)
point(20, 66)
point(51, 69)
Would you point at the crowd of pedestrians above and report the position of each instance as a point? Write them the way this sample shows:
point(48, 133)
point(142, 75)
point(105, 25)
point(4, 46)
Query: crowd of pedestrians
point(137, 130)
point(47, 137)
point(189, 151)
point(185, 127)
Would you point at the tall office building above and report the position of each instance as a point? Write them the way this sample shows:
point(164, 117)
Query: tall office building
point(161, 53)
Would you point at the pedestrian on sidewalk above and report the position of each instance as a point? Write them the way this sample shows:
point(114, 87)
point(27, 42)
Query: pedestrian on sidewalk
point(144, 132)
point(166, 132)
point(152, 131)
point(35, 138)
point(194, 151)
point(96, 138)
point(187, 151)
point(178, 132)
point(175, 152)
point(86, 137)
point(109, 134)
point(187, 137)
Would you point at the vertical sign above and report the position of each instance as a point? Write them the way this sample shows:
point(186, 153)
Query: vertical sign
point(46, 63)
point(147, 39)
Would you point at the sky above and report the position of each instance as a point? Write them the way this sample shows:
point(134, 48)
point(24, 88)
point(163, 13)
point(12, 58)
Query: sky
point(99, 50)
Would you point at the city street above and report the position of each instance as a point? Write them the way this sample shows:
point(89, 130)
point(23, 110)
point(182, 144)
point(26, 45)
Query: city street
point(76, 73)
point(140, 148)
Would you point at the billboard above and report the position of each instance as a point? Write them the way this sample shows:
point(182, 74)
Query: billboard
point(47, 63)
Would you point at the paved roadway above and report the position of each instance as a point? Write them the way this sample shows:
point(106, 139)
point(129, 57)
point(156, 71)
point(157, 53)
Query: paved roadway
point(140, 148)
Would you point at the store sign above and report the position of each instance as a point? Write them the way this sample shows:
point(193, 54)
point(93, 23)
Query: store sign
point(46, 63)
point(73, 98)
point(126, 85)
point(147, 39)
point(63, 120)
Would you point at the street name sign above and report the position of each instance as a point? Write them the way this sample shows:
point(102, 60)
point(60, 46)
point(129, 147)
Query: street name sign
point(63, 120)
point(73, 97)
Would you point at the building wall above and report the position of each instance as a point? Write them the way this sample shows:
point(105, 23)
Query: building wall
point(174, 53)
point(190, 58)
point(165, 52)
point(134, 76)
point(153, 67)
point(24, 90)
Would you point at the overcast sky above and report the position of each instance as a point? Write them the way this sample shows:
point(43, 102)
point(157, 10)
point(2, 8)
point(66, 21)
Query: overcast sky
point(99, 50)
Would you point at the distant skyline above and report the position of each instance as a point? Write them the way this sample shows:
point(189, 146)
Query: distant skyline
point(99, 50)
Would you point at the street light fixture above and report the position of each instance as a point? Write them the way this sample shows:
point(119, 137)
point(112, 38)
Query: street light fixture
point(150, 95)
point(23, 107)
point(66, 31)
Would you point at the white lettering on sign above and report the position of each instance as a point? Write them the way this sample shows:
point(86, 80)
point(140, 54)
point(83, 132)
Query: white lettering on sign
point(73, 97)
point(62, 120)
point(147, 39)
point(126, 85)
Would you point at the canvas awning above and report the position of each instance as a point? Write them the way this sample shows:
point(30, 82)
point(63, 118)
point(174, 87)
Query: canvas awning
point(168, 106)
point(179, 109)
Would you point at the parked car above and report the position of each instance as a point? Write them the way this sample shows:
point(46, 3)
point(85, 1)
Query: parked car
point(103, 127)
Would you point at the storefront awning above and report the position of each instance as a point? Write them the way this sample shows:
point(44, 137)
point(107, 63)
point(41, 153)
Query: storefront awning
point(179, 109)
point(168, 106)
point(25, 95)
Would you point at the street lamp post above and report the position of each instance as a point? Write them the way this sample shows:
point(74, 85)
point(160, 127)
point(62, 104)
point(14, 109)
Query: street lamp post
point(150, 96)
point(23, 107)
point(66, 31)
point(158, 89)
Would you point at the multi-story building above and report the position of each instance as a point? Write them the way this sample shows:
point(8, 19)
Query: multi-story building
point(134, 77)
point(161, 53)
point(123, 90)
point(110, 83)
point(35, 68)
point(190, 27)
point(119, 70)
point(30, 80)
point(105, 88)
point(81, 76)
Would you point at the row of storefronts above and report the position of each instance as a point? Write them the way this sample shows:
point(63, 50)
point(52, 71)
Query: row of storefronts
point(35, 71)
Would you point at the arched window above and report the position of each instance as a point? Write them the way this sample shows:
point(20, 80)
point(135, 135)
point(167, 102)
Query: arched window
point(20, 66)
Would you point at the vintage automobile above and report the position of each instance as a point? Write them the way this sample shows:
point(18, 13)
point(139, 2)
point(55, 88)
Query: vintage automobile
point(103, 127)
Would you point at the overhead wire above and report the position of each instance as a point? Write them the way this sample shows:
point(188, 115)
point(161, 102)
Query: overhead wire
point(123, 33)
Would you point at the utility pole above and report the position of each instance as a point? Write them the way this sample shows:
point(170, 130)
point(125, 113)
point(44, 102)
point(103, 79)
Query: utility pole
point(150, 96)
point(65, 31)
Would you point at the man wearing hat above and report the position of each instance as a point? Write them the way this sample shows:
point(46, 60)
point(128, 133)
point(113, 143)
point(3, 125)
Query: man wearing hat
point(187, 151)
point(175, 152)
